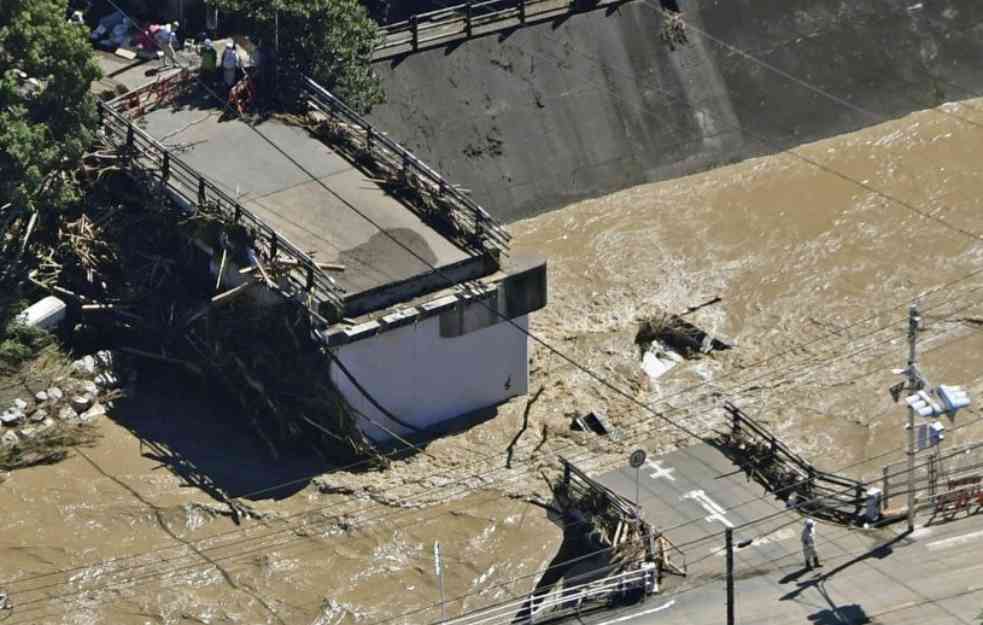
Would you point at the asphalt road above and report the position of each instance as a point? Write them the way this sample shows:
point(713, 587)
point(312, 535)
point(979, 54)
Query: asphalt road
point(934, 575)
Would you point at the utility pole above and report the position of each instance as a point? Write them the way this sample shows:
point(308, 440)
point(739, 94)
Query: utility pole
point(914, 385)
point(438, 569)
point(729, 532)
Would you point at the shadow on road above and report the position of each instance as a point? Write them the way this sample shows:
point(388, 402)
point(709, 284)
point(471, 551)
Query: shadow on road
point(851, 614)
point(880, 552)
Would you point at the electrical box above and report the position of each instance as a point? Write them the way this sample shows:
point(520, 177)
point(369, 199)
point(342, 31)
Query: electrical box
point(953, 398)
point(928, 435)
point(872, 510)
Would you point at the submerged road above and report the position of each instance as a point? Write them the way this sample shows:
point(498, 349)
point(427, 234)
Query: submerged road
point(934, 575)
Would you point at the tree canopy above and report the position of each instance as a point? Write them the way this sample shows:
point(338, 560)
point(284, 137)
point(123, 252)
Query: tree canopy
point(330, 40)
point(47, 115)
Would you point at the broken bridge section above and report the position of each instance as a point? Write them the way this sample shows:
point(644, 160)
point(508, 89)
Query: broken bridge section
point(788, 476)
point(389, 258)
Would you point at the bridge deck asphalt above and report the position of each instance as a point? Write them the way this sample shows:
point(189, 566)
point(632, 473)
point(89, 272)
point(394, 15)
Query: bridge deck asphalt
point(869, 576)
point(256, 166)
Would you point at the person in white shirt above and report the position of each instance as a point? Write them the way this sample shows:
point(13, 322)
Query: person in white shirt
point(809, 544)
point(230, 64)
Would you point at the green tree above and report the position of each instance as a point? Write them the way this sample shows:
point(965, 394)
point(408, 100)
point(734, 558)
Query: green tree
point(329, 40)
point(47, 115)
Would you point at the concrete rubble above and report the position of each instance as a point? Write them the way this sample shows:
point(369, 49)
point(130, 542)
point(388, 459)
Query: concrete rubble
point(81, 398)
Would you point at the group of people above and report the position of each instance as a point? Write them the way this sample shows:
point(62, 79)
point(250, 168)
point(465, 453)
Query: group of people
point(244, 82)
point(230, 62)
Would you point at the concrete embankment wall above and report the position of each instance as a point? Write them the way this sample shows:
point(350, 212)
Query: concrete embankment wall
point(558, 112)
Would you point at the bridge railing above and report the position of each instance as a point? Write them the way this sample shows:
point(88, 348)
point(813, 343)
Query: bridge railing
point(459, 210)
point(158, 167)
point(542, 607)
point(784, 473)
point(467, 19)
point(940, 477)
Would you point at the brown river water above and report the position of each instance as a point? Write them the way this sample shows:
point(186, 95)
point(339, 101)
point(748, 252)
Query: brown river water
point(814, 271)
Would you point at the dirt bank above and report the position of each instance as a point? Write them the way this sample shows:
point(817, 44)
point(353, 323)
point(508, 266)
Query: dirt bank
point(551, 114)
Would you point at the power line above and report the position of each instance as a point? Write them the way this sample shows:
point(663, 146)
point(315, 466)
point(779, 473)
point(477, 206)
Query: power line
point(377, 226)
point(592, 554)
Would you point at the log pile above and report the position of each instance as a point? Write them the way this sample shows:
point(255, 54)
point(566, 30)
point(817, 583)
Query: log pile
point(135, 281)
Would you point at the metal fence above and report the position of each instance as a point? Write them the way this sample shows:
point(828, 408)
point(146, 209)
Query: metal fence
point(939, 476)
point(789, 476)
point(470, 19)
point(160, 170)
point(457, 210)
point(564, 601)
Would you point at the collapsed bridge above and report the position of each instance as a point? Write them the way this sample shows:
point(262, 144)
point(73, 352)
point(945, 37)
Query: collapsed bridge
point(392, 263)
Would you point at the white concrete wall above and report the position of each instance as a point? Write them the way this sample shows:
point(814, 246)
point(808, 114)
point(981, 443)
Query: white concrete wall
point(425, 379)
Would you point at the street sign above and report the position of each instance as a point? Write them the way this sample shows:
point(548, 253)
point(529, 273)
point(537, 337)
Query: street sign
point(637, 458)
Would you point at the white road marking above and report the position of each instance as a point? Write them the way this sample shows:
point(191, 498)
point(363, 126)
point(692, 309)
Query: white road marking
point(661, 471)
point(637, 614)
point(955, 540)
point(717, 512)
point(774, 537)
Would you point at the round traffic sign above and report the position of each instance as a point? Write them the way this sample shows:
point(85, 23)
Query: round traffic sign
point(637, 458)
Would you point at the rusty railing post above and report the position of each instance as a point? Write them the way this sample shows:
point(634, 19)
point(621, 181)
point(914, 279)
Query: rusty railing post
point(201, 192)
point(467, 19)
point(130, 141)
point(310, 278)
point(165, 170)
point(415, 32)
point(522, 11)
point(274, 245)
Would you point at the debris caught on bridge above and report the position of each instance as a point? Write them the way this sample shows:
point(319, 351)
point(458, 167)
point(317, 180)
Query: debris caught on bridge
point(133, 279)
point(787, 475)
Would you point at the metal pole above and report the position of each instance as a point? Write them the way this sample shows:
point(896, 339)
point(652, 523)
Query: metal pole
point(443, 600)
point(638, 501)
point(439, 570)
point(913, 320)
point(730, 575)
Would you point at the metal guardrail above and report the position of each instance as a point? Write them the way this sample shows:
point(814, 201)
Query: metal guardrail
point(459, 209)
point(545, 607)
point(470, 19)
point(938, 477)
point(784, 473)
point(158, 166)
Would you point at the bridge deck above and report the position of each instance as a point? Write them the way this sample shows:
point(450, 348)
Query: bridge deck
point(254, 165)
point(686, 488)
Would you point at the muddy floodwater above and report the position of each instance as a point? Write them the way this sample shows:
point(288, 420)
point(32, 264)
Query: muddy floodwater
point(814, 255)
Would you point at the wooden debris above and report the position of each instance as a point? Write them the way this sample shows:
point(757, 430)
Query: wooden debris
point(233, 293)
point(190, 366)
point(221, 268)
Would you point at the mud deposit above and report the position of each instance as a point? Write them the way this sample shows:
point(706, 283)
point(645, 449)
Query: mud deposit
point(814, 273)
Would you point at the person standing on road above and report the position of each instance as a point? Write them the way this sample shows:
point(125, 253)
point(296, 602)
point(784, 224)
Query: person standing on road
point(809, 544)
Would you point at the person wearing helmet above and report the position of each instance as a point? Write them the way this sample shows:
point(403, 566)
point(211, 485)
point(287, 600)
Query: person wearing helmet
point(209, 60)
point(230, 64)
point(809, 544)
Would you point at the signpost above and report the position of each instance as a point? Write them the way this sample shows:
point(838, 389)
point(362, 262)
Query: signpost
point(636, 460)
point(438, 571)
